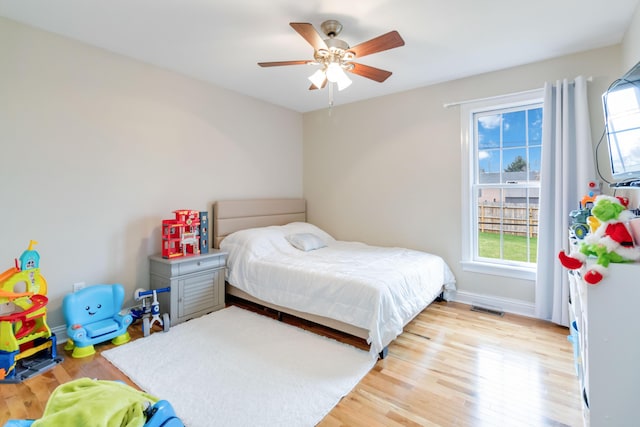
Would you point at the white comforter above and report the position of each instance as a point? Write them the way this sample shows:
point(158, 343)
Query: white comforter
point(378, 289)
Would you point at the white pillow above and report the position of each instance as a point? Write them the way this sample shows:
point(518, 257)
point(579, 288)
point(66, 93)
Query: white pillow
point(306, 241)
point(255, 242)
point(305, 227)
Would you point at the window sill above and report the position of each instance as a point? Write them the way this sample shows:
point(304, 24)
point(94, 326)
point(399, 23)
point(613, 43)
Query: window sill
point(523, 273)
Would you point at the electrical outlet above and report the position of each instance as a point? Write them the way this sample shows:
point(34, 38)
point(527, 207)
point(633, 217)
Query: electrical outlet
point(78, 286)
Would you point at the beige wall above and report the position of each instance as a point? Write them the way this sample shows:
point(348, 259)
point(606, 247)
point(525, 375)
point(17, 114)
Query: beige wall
point(631, 42)
point(388, 171)
point(97, 149)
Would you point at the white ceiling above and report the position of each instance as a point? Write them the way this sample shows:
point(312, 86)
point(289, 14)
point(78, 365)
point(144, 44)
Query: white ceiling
point(221, 41)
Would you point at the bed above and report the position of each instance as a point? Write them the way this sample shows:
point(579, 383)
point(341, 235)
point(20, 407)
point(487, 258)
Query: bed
point(278, 260)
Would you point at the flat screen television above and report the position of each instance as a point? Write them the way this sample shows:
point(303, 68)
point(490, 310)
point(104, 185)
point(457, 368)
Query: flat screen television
point(621, 104)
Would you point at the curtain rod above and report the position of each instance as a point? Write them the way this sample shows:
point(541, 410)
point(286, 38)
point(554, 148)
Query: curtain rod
point(489, 98)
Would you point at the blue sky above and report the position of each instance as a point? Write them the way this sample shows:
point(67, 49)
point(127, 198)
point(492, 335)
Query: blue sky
point(516, 133)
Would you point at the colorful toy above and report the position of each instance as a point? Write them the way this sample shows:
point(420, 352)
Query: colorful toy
point(579, 222)
point(181, 236)
point(582, 222)
point(27, 345)
point(204, 232)
point(150, 313)
point(86, 401)
point(610, 242)
point(93, 316)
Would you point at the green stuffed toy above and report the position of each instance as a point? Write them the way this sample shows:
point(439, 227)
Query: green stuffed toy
point(610, 242)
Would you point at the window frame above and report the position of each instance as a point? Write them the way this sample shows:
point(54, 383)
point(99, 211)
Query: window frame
point(470, 261)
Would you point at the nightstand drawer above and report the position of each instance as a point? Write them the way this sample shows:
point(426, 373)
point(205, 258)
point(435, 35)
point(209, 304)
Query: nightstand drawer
point(185, 265)
point(199, 264)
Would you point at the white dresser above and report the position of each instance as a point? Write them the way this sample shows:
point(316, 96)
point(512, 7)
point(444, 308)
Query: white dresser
point(608, 352)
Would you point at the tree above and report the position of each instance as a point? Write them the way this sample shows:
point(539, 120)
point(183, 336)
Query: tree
point(518, 165)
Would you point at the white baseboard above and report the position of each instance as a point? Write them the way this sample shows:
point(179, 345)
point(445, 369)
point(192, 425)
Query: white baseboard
point(523, 308)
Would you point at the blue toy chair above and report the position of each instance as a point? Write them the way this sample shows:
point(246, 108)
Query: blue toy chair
point(93, 316)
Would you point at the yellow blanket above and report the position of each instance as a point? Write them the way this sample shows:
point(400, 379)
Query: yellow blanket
point(87, 403)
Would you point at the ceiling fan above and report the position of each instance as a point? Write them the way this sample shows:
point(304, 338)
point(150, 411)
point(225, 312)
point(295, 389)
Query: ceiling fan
point(336, 56)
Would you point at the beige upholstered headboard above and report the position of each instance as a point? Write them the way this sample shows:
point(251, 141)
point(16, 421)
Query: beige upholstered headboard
point(234, 215)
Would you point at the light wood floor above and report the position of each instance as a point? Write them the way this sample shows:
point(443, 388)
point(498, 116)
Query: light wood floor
point(451, 367)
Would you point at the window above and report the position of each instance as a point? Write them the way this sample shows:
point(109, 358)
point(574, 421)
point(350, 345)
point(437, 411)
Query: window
point(502, 145)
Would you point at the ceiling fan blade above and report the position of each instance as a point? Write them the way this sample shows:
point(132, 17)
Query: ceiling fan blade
point(280, 63)
point(370, 72)
point(310, 34)
point(386, 41)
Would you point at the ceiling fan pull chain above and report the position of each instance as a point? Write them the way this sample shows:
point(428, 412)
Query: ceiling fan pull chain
point(330, 96)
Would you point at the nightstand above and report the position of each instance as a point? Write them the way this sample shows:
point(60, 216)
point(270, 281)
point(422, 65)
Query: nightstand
point(196, 282)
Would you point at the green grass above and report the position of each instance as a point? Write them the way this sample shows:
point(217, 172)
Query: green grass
point(514, 249)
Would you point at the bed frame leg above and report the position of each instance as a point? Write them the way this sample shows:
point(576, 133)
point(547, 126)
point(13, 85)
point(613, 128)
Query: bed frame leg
point(280, 316)
point(384, 352)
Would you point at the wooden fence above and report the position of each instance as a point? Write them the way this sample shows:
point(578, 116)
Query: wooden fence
point(510, 218)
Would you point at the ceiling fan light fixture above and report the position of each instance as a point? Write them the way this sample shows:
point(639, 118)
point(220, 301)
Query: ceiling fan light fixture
point(317, 79)
point(344, 81)
point(322, 53)
point(335, 74)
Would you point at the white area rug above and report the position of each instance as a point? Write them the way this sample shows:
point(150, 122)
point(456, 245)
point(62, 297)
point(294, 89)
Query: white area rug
point(238, 368)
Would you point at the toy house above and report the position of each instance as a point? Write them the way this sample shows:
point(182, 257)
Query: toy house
point(181, 236)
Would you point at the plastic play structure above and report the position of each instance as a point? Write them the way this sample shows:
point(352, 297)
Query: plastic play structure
point(27, 345)
point(93, 316)
point(150, 312)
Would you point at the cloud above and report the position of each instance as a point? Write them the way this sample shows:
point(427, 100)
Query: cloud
point(490, 122)
point(483, 155)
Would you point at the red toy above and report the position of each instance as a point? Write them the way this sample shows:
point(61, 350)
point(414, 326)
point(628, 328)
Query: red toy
point(181, 236)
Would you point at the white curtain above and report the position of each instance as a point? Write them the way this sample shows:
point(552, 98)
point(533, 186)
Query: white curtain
point(566, 170)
